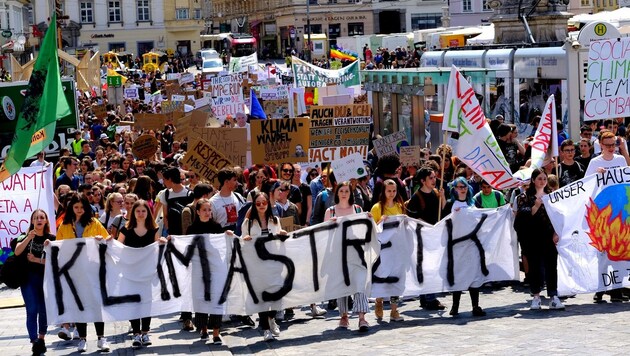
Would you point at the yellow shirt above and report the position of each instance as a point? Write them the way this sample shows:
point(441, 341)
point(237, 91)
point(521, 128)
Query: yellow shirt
point(394, 210)
point(94, 228)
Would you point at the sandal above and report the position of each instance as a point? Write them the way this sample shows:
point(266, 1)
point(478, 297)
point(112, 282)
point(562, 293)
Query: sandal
point(364, 326)
point(343, 322)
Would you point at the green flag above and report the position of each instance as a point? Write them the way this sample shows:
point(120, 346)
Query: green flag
point(44, 104)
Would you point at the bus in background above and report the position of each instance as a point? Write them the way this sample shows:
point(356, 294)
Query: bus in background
point(235, 44)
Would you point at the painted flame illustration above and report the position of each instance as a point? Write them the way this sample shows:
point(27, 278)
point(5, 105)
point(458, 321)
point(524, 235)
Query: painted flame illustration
point(607, 233)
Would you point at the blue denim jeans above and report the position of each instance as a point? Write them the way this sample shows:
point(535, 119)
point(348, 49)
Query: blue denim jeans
point(33, 294)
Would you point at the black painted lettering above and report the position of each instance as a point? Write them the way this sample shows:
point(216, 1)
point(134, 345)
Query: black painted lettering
point(102, 277)
point(236, 252)
point(199, 243)
point(377, 263)
point(419, 255)
point(58, 272)
point(265, 255)
point(311, 238)
point(357, 244)
point(450, 274)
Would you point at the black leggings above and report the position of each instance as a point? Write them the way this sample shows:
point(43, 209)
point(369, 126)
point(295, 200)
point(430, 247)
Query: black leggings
point(264, 319)
point(146, 325)
point(98, 326)
point(474, 297)
point(543, 260)
point(214, 322)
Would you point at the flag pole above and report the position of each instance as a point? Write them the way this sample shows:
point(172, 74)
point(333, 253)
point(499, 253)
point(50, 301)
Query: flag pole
point(442, 176)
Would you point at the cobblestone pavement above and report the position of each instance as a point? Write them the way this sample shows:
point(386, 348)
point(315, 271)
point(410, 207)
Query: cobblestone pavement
point(509, 328)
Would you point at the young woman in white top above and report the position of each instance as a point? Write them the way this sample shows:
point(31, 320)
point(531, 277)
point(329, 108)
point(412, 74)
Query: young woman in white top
point(260, 222)
point(344, 205)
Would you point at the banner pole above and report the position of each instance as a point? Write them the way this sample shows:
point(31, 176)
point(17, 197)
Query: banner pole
point(555, 161)
point(442, 175)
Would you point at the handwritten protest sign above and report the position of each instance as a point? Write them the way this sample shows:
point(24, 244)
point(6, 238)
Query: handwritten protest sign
point(476, 147)
point(223, 275)
point(205, 160)
point(225, 85)
point(276, 109)
point(348, 167)
point(227, 105)
point(231, 142)
point(410, 155)
point(591, 218)
point(273, 92)
point(150, 121)
point(169, 106)
point(100, 111)
point(308, 75)
point(186, 78)
point(145, 146)
point(130, 93)
point(607, 86)
point(391, 143)
point(20, 194)
point(279, 140)
point(335, 135)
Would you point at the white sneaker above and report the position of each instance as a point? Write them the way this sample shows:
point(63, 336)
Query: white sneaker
point(65, 334)
point(75, 333)
point(137, 342)
point(268, 336)
point(317, 311)
point(146, 341)
point(280, 315)
point(275, 330)
point(82, 345)
point(555, 303)
point(103, 344)
point(535, 304)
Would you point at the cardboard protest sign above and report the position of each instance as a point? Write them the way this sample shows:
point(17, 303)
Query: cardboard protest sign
point(348, 167)
point(205, 160)
point(123, 128)
point(28, 189)
point(391, 143)
point(273, 92)
point(607, 87)
point(279, 140)
point(145, 146)
point(231, 142)
point(186, 78)
point(100, 111)
point(168, 106)
point(410, 155)
point(182, 127)
point(308, 75)
point(148, 121)
point(289, 225)
point(276, 109)
point(338, 131)
point(476, 146)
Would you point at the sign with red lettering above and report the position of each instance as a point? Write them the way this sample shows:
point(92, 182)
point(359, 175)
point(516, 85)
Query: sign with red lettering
point(476, 147)
point(29, 189)
point(205, 160)
point(338, 131)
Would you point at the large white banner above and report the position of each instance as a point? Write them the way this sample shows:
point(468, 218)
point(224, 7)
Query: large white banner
point(241, 64)
point(591, 216)
point(476, 146)
point(87, 280)
point(29, 189)
point(607, 87)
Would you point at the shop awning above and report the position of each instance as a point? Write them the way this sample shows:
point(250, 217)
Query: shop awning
point(254, 23)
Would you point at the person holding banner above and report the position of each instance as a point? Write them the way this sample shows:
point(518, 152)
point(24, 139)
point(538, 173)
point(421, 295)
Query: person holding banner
point(344, 206)
point(461, 197)
point(203, 224)
point(79, 222)
point(259, 221)
point(389, 203)
point(113, 207)
point(538, 240)
point(140, 231)
point(32, 243)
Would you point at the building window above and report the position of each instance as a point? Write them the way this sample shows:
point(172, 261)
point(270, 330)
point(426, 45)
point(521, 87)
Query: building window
point(312, 2)
point(181, 13)
point(334, 30)
point(144, 10)
point(197, 13)
point(425, 21)
point(114, 10)
point(87, 11)
point(466, 5)
point(485, 6)
point(332, 1)
point(585, 3)
point(355, 29)
point(314, 29)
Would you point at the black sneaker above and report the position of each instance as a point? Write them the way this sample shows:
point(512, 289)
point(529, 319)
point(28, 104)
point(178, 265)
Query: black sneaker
point(477, 311)
point(332, 304)
point(39, 347)
point(217, 340)
point(434, 305)
point(247, 320)
point(204, 335)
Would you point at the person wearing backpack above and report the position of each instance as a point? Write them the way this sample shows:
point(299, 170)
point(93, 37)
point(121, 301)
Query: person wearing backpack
point(226, 204)
point(424, 205)
point(323, 200)
point(200, 191)
point(173, 200)
point(488, 197)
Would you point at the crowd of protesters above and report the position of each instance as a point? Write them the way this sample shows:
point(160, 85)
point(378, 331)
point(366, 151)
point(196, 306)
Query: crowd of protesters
point(102, 190)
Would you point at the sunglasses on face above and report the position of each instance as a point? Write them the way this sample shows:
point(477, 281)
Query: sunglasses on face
point(287, 170)
point(261, 203)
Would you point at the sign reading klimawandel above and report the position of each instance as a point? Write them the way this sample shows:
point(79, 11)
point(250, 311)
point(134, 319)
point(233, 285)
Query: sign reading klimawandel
point(308, 75)
point(87, 280)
